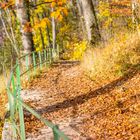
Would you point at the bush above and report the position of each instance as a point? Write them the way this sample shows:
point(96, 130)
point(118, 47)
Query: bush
point(114, 59)
point(75, 51)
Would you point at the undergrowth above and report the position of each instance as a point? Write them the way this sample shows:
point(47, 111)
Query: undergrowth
point(120, 55)
point(75, 50)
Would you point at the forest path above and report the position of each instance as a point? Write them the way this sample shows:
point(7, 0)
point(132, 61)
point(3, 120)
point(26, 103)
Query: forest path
point(82, 108)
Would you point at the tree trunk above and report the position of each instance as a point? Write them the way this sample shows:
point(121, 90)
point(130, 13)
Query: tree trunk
point(10, 35)
point(135, 11)
point(90, 19)
point(46, 14)
point(53, 32)
point(23, 15)
point(79, 6)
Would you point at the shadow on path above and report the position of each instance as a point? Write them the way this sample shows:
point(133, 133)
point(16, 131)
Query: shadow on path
point(85, 97)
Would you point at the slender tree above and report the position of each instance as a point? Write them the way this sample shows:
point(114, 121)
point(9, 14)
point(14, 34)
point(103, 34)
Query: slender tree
point(90, 18)
point(79, 6)
point(23, 15)
point(135, 11)
point(53, 31)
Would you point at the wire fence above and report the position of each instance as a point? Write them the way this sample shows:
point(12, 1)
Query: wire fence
point(25, 66)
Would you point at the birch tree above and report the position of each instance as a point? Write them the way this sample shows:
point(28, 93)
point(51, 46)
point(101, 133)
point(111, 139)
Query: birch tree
point(135, 11)
point(53, 31)
point(23, 14)
point(90, 19)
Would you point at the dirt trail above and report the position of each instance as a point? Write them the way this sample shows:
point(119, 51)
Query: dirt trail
point(65, 96)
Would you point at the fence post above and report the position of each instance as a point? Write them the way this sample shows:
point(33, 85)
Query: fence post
point(34, 61)
point(14, 93)
point(27, 65)
point(11, 100)
point(12, 113)
point(57, 51)
point(50, 55)
point(13, 83)
point(40, 59)
point(55, 134)
point(20, 108)
point(45, 57)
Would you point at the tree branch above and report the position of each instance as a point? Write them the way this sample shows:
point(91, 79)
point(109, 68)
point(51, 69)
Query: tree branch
point(40, 4)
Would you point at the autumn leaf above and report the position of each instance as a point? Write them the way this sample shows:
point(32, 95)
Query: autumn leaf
point(27, 27)
point(60, 18)
point(65, 11)
point(60, 3)
point(53, 4)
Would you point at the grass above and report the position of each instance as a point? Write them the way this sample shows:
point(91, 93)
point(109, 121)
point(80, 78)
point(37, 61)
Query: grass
point(114, 59)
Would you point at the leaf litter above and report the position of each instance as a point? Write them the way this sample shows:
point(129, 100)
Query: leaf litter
point(108, 110)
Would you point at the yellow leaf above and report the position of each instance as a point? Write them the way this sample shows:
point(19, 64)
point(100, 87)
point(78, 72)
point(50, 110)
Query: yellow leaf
point(47, 21)
point(53, 4)
point(60, 3)
point(65, 11)
point(43, 24)
point(60, 18)
point(53, 14)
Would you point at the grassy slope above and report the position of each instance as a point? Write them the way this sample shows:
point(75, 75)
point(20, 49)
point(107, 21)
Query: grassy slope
point(113, 59)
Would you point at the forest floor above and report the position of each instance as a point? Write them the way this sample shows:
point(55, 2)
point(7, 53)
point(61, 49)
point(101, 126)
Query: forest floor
point(97, 111)
point(3, 101)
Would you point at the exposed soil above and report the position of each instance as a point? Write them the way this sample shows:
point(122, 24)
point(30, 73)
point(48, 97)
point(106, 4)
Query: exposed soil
point(100, 111)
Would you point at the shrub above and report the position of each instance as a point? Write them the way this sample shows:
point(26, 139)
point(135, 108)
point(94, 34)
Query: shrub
point(75, 51)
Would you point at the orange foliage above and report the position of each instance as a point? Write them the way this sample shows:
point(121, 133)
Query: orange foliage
point(122, 8)
point(5, 5)
point(27, 27)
